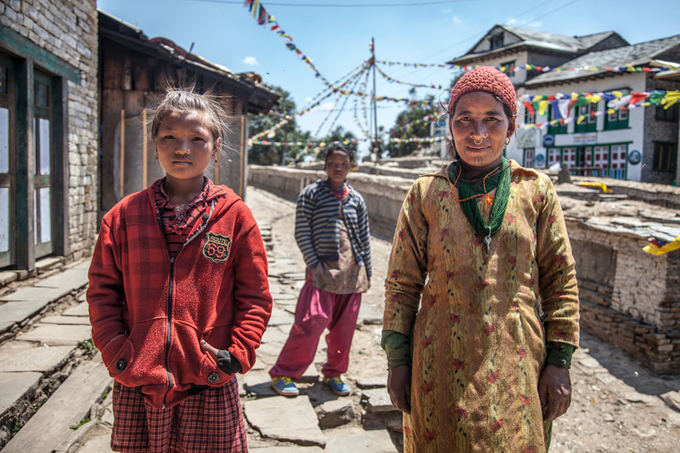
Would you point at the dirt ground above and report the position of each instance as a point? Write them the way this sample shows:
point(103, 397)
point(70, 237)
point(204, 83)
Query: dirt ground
point(617, 404)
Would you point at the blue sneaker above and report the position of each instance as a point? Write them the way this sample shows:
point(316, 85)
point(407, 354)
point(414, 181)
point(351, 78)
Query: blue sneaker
point(284, 386)
point(337, 386)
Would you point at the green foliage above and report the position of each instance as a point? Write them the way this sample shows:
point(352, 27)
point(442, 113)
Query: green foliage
point(421, 129)
point(290, 132)
point(339, 134)
point(414, 113)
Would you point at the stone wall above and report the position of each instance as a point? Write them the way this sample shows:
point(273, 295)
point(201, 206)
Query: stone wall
point(384, 195)
point(628, 298)
point(67, 29)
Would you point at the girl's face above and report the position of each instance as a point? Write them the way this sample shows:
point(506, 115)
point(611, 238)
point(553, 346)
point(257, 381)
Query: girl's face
point(185, 144)
point(337, 167)
point(479, 126)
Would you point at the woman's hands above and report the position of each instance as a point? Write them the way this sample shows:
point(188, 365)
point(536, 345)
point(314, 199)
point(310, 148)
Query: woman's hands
point(554, 391)
point(399, 387)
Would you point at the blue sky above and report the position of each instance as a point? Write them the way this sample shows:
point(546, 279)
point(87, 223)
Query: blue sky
point(337, 38)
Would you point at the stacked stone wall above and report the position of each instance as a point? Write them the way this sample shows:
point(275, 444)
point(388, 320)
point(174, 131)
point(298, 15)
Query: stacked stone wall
point(628, 298)
point(68, 30)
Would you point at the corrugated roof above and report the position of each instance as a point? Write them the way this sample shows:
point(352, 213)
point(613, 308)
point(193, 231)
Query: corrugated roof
point(537, 39)
point(637, 54)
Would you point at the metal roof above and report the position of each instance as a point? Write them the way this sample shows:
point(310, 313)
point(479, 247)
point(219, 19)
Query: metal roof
point(637, 54)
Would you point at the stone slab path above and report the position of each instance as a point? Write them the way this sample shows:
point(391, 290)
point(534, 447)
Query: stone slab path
point(52, 427)
point(617, 406)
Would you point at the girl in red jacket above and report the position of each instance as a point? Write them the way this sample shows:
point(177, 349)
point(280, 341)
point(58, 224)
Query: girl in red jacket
point(179, 296)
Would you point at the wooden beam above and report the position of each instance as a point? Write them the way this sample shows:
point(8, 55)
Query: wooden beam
point(242, 161)
point(25, 166)
point(145, 171)
point(121, 182)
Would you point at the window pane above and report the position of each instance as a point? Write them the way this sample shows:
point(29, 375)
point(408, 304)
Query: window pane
point(44, 146)
point(45, 221)
point(42, 95)
point(4, 140)
point(4, 219)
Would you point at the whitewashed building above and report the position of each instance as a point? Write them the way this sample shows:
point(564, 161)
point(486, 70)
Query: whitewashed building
point(639, 144)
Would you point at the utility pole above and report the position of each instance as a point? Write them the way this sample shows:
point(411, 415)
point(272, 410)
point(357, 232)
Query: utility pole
point(376, 144)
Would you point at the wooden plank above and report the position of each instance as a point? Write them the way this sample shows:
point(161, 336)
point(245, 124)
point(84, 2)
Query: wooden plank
point(242, 161)
point(145, 172)
point(111, 64)
point(121, 182)
point(111, 104)
point(49, 428)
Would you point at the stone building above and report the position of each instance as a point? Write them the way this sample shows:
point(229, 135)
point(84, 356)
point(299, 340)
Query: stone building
point(134, 72)
point(48, 131)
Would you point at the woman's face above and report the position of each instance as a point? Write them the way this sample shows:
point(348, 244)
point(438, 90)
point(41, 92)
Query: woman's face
point(337, 166)
point(479, 126)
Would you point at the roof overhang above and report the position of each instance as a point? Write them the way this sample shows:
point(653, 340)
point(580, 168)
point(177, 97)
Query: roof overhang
point(259, 99)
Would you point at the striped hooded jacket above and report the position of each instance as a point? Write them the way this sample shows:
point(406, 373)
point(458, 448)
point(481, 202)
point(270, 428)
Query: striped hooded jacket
point(317, 229)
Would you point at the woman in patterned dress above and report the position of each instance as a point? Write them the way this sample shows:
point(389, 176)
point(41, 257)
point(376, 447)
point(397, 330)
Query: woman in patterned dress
point(481, 310)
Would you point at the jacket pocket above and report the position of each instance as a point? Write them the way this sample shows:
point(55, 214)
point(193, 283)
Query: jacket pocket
point(210, 373)
point(191, 363)
point(118, 355)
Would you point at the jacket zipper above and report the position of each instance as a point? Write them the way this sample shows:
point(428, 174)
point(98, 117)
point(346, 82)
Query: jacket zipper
point(171, 287)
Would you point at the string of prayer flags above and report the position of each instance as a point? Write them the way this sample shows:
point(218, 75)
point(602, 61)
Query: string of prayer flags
point(416, 85)
point(262, 16)
point(302, 143)
point(509, 69)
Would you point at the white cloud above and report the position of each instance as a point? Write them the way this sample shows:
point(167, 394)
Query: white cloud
point(250, 61)
point(535, 24)
point(308, 99)
point(457, 20)
point(511, 21)
point(327, 106)
point(447, 11)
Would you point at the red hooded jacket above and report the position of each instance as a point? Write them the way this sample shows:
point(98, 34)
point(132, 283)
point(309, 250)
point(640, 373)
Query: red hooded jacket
point(149, 313)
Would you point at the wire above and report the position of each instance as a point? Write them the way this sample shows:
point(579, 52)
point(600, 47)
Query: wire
point(339, 5)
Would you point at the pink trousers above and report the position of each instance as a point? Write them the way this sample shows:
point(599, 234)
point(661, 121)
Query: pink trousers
point(315, 311)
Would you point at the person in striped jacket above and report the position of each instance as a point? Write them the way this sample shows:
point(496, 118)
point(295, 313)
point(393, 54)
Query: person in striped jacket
point(332, 231)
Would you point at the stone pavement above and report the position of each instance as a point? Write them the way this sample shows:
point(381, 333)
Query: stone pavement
point(617, 405)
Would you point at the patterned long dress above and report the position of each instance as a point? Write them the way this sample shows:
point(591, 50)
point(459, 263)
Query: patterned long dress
point(480, 321)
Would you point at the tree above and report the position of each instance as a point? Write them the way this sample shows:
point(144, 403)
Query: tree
point(290, 132)
point(414, 112)
point(339, 134)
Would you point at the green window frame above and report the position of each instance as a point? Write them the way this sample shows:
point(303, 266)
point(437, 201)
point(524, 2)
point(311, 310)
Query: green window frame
point(509, 64)
point(560, 128)
point(589, 124)
point(528, 158)
point(616, 120)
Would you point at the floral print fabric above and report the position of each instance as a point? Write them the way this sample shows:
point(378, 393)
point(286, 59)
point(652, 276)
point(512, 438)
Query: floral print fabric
point(475, 317)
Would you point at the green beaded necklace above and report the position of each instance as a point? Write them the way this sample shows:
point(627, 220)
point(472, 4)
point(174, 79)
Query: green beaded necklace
point(498, 179)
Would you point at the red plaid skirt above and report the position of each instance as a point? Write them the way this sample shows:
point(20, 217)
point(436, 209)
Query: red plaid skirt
point(209, 421)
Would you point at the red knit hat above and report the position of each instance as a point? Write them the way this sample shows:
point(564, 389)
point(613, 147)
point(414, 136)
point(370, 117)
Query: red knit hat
point(489, 79)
